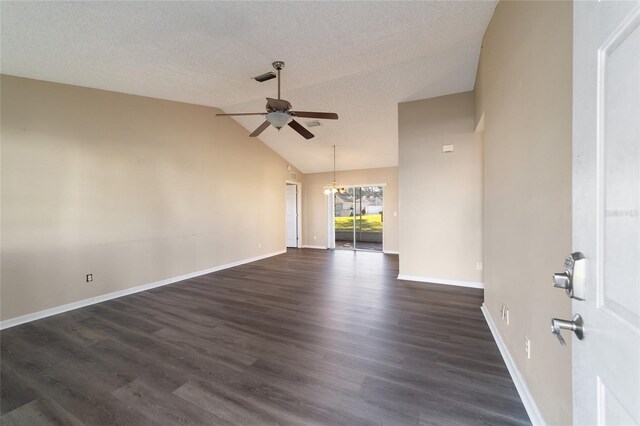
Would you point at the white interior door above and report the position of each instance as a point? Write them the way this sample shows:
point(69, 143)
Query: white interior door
point(291, 211)
point(606, 211)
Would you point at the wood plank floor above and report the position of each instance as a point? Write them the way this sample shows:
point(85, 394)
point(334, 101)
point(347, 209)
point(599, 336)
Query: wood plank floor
point(307, 337)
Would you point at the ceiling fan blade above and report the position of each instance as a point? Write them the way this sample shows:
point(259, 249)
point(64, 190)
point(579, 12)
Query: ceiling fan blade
point(242, 113)
point(311, 114)
point(300, 129)
point(260, 129)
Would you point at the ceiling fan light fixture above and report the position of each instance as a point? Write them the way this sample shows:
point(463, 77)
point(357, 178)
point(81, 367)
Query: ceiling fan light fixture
point(279, 119)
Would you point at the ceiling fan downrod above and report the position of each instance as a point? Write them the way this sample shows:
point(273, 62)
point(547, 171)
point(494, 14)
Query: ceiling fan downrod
point(278, 65)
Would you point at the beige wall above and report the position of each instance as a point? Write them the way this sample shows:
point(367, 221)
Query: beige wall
point(523, 88)
point(314, 207)
point(440, 193)
point(131, 189)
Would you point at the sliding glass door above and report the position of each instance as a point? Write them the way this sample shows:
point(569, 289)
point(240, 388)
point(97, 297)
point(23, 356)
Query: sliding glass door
point(359, 218)
point(344, 217)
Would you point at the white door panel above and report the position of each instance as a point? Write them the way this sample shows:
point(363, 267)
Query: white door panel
point(606, 211)
point(291, 212)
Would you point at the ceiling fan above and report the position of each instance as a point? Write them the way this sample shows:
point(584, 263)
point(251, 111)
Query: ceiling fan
point(279, 113)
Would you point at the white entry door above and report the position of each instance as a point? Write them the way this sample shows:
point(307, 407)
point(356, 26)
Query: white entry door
point(291, 211)
point(606, 210)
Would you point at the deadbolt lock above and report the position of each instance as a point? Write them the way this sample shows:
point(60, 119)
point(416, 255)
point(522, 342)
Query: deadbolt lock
point(572, 280)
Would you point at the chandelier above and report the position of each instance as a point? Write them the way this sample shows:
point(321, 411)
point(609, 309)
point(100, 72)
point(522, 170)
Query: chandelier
point(333, 188)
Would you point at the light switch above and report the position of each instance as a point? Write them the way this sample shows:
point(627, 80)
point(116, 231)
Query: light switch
point(447, 148)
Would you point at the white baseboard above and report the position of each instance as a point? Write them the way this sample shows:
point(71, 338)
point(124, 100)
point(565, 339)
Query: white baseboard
point(11, 322)
point(314, 247)
point(391, 252)
point(433, 280)
point(527, 399)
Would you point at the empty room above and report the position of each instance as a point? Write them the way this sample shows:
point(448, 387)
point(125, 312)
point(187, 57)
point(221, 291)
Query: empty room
point(320, 213)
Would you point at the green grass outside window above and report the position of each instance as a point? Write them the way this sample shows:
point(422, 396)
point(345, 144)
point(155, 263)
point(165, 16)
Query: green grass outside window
point(370, 222)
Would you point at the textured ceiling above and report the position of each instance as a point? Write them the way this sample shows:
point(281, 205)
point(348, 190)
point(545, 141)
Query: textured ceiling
point(358, 59)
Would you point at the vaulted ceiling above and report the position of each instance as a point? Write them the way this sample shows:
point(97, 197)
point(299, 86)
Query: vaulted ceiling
point(359, 59)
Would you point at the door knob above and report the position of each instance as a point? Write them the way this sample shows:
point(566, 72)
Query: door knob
point(577, 326)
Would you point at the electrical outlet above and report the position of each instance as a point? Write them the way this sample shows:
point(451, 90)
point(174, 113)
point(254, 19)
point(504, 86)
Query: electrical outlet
point(479, 266)
point(89, 278)
point(527, 346)
point(259, 245)
point(315, 237)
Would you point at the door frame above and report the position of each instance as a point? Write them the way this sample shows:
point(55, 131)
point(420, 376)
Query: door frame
point(298, 211)
point(384, 186)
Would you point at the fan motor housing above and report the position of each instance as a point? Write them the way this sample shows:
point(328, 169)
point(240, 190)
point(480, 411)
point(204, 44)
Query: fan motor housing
point(275, 105)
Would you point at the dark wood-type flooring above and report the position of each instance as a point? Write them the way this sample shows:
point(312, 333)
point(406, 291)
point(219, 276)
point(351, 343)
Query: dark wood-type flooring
point(308, 337)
